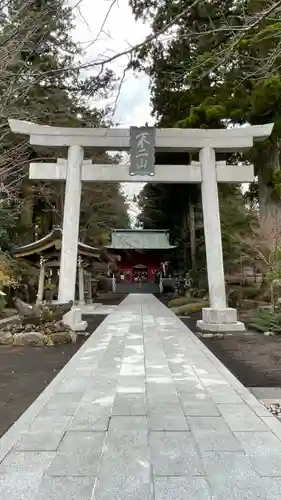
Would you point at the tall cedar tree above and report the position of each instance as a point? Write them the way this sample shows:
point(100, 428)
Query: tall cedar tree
point(180, 99)
point(199, 80)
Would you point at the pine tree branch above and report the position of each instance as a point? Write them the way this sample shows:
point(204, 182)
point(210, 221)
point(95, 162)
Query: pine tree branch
point(245, 32)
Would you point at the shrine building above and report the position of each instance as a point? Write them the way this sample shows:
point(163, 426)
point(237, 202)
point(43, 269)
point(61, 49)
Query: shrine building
point(45, 253)
point(141, 254)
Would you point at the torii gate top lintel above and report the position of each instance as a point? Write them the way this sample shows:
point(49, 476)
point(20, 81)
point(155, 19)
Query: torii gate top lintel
point(167, 139)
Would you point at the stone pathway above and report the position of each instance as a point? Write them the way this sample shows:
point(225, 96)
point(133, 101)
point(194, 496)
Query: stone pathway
point(143, 412)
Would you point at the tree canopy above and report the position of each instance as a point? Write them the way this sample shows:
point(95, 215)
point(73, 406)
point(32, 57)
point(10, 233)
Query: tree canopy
point(40, 82)
point(194, 83)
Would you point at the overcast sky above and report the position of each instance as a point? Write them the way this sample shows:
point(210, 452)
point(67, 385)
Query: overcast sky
point(120, 32)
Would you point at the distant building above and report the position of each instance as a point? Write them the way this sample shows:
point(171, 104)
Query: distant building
point(143, 255)
point(46, 254)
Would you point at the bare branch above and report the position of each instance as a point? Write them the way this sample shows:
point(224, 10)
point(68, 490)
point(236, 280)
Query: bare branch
point(134, 48)
point(103, 24)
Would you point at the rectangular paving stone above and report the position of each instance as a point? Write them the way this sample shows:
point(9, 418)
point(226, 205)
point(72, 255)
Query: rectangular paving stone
point(39, 440)
point(21, 474)
point(62, 404)
point(131, 384)
point(222, 393)
point(19, 486)
point(263, 450)
point(156, 366)
point(125, 470)
point(273, 486)
point(78, 455)
point(129, 404)
point(128, 487)
point(200, 408)
point(132, 369)
point(187, 384)
point(171, 410)
point(212, 433)
point(241, 418)
point(128, 423)
point(181, 488)
point(65, 488)
point(51, 423)
point(231, 477)
point(168, 387)
point(164, 422)
point(126, 440)
point(90, 417)
point(163, 400)
point(103, 398)
point(73, 384)
point(174, 453)
point(162, 380)
point(21, 461)
point(123, 442)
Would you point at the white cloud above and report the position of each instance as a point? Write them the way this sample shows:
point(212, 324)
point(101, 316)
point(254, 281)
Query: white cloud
point(120, 32)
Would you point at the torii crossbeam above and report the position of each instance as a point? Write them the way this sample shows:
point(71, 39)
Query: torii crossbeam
point(120, 173)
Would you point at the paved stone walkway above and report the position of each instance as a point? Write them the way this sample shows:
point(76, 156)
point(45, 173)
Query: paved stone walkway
point(143, 412)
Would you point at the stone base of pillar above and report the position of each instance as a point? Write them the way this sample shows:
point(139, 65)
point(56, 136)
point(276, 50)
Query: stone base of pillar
point(220, 321)
point(74, 320)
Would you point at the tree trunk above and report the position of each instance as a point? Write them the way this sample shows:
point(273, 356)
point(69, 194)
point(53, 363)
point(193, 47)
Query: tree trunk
point(27, 211)
point(192, 233)
point(59, 205)
point(184, 240)
point(267, 163)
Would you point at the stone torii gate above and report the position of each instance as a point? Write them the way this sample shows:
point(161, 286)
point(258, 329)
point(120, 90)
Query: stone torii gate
point(216, 318)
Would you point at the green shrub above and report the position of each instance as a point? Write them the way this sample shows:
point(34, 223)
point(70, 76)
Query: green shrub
point(181, 301)
point(250, 292)
point(187, 309)
point(237, 295)
point(103, 282)
point(265, 321)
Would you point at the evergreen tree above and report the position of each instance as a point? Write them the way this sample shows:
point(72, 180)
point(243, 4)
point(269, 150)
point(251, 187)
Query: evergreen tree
point(206, 74)
point(39, 83)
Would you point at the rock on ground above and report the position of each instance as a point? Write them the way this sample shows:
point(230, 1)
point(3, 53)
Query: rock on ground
point(6, 338)
point(64, 337)
point(49, 333)
point(35, 339)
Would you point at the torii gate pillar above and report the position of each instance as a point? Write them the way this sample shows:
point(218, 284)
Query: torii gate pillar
point(218, 317)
